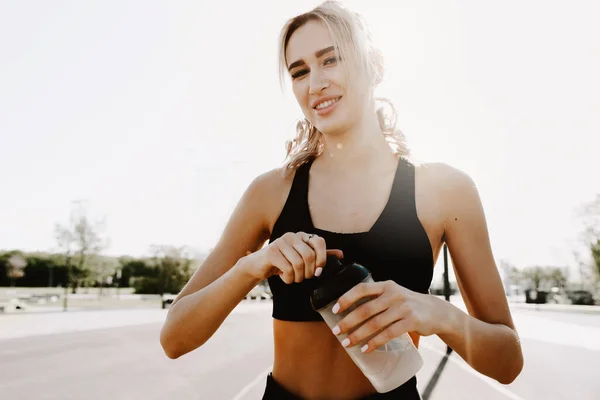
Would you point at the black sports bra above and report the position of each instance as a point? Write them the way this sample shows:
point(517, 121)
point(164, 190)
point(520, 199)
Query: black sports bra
point(396, 247)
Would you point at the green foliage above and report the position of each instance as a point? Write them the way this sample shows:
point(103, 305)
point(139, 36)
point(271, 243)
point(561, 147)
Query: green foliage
point(42, 270)
point(595, 249)
point(166, 272)
point(79, 262)
point(590, 214)
point(81, 241)
point(545, 277)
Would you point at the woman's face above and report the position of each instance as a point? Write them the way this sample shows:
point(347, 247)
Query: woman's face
point(319, 80)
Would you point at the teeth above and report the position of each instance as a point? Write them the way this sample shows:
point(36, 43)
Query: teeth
point(326, 103)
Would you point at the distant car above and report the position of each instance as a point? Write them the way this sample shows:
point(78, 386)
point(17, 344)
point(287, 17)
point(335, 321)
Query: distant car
point(582, 297)
point(259, 292)
point(167, 300)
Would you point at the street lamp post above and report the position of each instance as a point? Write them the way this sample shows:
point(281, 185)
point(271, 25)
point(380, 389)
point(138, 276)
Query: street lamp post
point(50, 274)
point(118, 281)
point(440, 368)
point(446, 285)
point(67, 279)
point(446, 278)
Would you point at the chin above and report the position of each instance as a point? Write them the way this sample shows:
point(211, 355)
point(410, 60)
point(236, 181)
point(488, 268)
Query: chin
point(333, 125)
point(330, 130)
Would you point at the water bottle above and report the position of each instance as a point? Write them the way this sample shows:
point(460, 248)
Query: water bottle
point(390, 365)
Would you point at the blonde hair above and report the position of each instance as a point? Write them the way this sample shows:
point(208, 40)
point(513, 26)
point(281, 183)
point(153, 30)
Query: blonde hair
point(353, 41)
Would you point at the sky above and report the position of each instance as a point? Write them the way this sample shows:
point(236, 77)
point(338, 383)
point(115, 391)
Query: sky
point(159, 114)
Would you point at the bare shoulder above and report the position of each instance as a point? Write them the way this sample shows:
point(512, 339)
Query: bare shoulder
point(273, 180)
point(270, 190)
point(444, 176)
point(443, 181)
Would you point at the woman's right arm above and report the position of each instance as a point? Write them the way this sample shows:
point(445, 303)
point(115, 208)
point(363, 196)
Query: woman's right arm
point(222, 281)
point(238, 263)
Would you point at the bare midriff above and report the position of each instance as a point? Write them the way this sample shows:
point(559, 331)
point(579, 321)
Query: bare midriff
point(311, 363)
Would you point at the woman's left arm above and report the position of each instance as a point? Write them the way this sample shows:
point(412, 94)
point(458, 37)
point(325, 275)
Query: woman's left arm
point(485, 338)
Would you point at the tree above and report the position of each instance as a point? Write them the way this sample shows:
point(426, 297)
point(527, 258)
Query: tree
point(511, 275)
point(557, 277)
point(16, 268)
point(102, 271)
point(590, 214)
point(131, 269)
point(595, 249)
point(168, 269)
point(79, 240)
point(541, 278)
point(535, 275)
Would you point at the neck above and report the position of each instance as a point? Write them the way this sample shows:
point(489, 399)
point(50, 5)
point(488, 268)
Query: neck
point(360, 145)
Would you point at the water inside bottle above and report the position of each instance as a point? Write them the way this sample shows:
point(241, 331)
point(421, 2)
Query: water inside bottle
point(383, 360)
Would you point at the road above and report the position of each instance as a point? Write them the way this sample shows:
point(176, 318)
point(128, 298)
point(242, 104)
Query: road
point(116, 355)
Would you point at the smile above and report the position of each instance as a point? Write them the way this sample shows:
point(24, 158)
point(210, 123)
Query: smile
point(327, 103)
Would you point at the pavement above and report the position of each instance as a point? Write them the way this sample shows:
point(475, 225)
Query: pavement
point(117, 355)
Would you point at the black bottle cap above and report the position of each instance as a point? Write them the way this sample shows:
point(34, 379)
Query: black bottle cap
point(333, 266)
point(336, 279)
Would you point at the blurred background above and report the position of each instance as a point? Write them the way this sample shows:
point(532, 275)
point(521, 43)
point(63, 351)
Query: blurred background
point(129, 131)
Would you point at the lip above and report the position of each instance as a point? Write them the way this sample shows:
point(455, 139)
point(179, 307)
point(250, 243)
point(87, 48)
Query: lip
point(322, 99)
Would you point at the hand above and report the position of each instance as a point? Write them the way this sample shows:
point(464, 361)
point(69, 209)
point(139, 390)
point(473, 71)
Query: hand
point(293, 256)
point(394, 311)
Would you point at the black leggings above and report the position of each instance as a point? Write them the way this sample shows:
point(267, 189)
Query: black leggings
point(408, 391)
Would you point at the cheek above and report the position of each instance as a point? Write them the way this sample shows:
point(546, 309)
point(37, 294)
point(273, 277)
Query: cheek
point(357, 96)
point(301, 94)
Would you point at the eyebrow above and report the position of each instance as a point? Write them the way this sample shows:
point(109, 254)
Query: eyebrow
point(318, 54)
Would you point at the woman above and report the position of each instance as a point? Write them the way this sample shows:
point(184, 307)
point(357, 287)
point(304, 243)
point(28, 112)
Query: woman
point(349, 189)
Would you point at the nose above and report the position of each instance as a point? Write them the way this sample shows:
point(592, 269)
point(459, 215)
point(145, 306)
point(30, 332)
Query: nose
point(318, 82)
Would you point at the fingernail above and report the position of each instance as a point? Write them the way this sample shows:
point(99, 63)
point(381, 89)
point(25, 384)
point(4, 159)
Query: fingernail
point(318, 271)
point(335, 308)
point(364, 348)
point(345, 342)
point(336, 330)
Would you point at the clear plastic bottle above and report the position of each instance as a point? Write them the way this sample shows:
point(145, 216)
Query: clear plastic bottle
point(390, 365)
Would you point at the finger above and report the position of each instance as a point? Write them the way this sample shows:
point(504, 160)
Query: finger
point(305, 236)
point(295, 260)
point(332, 252)
point(375, 325)
point(393, 331)
point(335, 252)
point(317, 243)
point(279, 261)
point(308, 257)
point(359, 291)
point(361, 314)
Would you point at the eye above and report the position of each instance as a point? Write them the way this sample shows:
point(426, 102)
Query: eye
point(299, 73)
point(331, 60)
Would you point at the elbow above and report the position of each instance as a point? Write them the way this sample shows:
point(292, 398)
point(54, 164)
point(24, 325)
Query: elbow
point(172, 353)
point(177, 338)
point(511, 373)
point(173, 344)
point(169, 340)
point(513, 367)
point(508, 378)
point(170, 344)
